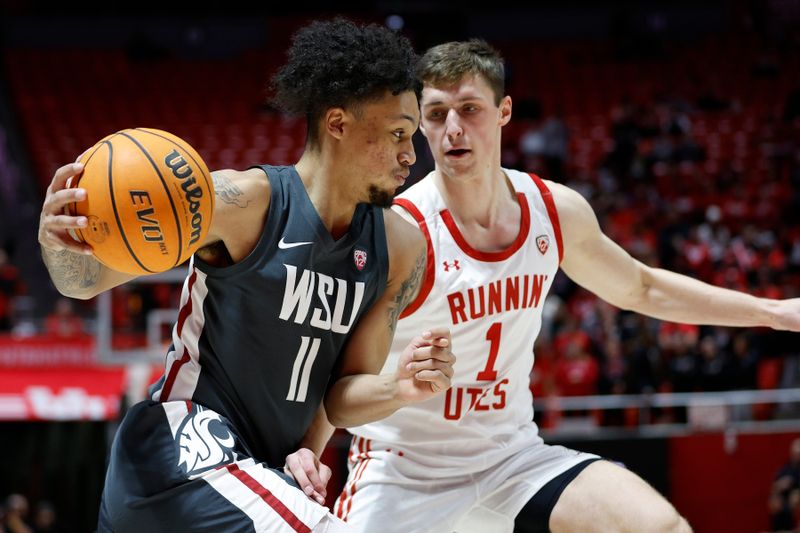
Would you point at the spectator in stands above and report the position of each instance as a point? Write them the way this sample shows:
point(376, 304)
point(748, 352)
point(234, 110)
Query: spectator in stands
point(744, 361)
point(17, 514)
point(549, 142)
point(714, 372)
point(679, 343)
point(577, 371)
point(613, 379)
point(44, 518)
point(784, 498)
point(63, 321)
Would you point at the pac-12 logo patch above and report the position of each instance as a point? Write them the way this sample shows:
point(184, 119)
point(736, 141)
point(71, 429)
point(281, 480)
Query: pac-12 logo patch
point(543, 243)
point(360, 258)
point(205, 442)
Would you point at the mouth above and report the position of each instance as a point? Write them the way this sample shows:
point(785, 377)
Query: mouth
point(457, 153)
point(401, 178)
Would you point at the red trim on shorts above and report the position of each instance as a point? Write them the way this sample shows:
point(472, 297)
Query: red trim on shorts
point(365, 447)
point(502, 255)
point(173, 375)
point(430, 270)
point(352, 460)
point(547, 196)
point(357, 479)
point(250, 482)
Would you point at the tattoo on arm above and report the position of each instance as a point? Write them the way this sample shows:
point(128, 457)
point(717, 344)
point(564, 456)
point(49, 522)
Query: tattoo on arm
point(71, 272)
point(408, 290)
point(227, 191)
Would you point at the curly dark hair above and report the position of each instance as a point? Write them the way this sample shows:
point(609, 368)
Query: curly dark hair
point(339, 63)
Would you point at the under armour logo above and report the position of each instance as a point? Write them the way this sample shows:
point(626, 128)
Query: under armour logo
point(448, 266)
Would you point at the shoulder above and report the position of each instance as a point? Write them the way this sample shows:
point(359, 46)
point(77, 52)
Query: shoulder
point(238, 186)
point(574, 212)
point(401, 232)
point(241, 203)
point(405, 243)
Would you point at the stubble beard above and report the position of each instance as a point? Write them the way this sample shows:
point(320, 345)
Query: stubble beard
point(380, 198)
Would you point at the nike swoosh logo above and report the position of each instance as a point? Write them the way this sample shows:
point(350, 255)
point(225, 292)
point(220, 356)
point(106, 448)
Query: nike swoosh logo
point(286, 245)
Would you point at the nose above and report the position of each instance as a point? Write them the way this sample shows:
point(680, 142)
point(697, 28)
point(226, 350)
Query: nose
point(407, 156)
point(452, 126)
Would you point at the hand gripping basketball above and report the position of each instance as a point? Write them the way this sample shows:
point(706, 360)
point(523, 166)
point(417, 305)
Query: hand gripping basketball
point(148, 204)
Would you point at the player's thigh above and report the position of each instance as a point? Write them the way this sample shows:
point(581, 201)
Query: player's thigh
point(605, 497)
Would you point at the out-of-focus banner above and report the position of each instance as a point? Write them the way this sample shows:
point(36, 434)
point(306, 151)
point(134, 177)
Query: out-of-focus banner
point(46, 350)
point(61, 393)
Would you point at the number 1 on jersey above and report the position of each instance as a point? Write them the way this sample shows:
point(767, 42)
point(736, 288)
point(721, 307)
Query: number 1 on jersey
point(493, 336)
point(301, 371)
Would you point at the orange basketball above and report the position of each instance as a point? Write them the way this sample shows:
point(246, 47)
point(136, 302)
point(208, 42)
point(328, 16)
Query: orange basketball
point(149, 200)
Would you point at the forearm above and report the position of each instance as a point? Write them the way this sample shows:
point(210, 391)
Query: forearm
point(319, 433)
point(74, 275)
point(360, 399)
point(677, 298)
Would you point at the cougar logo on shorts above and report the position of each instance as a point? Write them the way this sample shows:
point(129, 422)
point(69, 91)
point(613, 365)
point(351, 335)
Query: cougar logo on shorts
point(205, 442)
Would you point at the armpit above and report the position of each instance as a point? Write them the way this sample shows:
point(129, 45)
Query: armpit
point(215, 254)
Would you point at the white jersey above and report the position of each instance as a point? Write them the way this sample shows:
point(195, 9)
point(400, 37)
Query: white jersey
point(492, 302)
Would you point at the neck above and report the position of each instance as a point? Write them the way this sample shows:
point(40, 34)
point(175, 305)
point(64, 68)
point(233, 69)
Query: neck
point(323, 181)
point(480, 199)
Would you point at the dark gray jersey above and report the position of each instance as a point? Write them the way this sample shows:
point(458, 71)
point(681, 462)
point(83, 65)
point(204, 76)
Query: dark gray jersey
point(257, 341)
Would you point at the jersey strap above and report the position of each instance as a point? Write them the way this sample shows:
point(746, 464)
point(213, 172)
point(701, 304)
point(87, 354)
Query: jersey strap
point(547, 196)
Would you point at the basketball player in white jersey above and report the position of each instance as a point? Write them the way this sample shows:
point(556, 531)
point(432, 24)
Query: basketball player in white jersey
point(472, 460)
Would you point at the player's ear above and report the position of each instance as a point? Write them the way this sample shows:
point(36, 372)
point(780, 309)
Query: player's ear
point(333, 123)
point(505, 110)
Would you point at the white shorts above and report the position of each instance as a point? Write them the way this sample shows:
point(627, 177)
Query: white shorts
point(386, 493)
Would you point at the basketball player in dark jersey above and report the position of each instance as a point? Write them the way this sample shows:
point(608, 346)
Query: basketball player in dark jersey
point(288, 310)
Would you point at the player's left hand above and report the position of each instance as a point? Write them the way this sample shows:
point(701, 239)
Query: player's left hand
point(425, 367)
point(309, 472)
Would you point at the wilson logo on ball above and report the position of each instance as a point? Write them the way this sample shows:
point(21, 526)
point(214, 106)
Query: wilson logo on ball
point(193, 193)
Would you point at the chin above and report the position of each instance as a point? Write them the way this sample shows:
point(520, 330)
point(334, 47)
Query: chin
point(381, 197)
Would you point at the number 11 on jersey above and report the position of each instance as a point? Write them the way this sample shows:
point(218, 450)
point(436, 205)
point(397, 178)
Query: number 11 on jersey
point(301, 371)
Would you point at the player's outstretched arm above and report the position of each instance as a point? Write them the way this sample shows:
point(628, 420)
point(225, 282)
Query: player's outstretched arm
point(600, 265)
point(359, 395)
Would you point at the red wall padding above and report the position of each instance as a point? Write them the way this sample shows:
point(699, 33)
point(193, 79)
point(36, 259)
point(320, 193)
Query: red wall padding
point(725, 488)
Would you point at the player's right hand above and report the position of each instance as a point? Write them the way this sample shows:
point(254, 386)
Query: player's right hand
point(425, 367)
point(53, 222)
point(309, 472)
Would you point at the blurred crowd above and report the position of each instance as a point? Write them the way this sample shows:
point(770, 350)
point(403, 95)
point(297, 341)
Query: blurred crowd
point(17, 516)
point(658, 194)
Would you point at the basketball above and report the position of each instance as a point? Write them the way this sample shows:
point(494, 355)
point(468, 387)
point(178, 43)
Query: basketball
point(149, 200)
